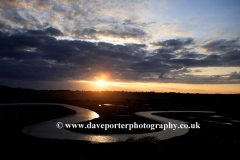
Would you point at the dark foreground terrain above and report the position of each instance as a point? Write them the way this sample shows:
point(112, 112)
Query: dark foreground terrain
point(15, 118)
point(218, 130)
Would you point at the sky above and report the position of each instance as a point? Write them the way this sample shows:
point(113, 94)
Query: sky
point(181, 46)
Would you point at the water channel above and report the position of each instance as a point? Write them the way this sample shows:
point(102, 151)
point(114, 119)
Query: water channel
point(48, 129)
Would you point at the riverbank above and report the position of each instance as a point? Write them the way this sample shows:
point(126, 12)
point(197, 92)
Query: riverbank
point(50, 130)
point(15, 118)
point(215, 130)
point(14, 141)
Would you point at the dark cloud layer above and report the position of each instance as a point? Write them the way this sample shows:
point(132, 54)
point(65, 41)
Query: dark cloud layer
point(193, 55)
point(221, 46)
point(49, 31)
point(4, 26)
point(35, 45)
point(174, 43)
point(126, 33)
point(234, 75)
point(38, 56)
point(78, 22)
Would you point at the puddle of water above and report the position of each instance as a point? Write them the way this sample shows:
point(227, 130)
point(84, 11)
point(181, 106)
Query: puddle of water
point(112, 105)
point(233, 120)
point(228, 123)
point(217, 116)
point(217, 122)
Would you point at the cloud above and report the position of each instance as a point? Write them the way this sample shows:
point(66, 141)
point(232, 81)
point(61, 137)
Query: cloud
point(49, 31)
point(234, 75)
point(81, 19)
point(231, 58)
point(183, 28)
point(187, 62)
point(85, 57)
point(35, 43)
point(15, 18)
point(197, 79)
point(38, 55)
point(182, 32)
point(122, 33)
point(4, 26)
point(221, 46)
point(42, 5)
point(174, 43)
point(59, 8)
point(193, 55)
point(213, 57)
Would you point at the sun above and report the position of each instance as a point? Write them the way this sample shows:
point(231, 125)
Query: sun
point(100, 82)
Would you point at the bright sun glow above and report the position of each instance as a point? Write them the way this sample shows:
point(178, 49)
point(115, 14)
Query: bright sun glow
point(100, 82)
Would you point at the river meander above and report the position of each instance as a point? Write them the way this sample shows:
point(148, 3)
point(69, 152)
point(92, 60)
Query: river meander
point(48, 129)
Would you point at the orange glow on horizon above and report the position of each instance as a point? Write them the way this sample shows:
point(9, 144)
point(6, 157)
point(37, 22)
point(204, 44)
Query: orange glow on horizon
point(163, 87)
point(100, 82)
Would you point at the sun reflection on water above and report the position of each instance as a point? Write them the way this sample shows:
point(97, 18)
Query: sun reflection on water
point(100, 138)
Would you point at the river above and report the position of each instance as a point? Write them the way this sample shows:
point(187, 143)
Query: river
point(48, 129)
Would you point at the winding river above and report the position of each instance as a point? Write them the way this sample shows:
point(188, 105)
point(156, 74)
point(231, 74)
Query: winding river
point(48, 129)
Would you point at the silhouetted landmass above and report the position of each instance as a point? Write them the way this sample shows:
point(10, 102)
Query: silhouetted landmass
point(225, 103)
point(216, 130)
point(126, 104)
point(15, 117)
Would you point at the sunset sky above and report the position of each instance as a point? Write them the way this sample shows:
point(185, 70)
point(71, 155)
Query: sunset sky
point(132, 45)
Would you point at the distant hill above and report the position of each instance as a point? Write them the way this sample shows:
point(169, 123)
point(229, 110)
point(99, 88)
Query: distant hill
point(12, 95)
point(4, 87)
point(190, 101)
